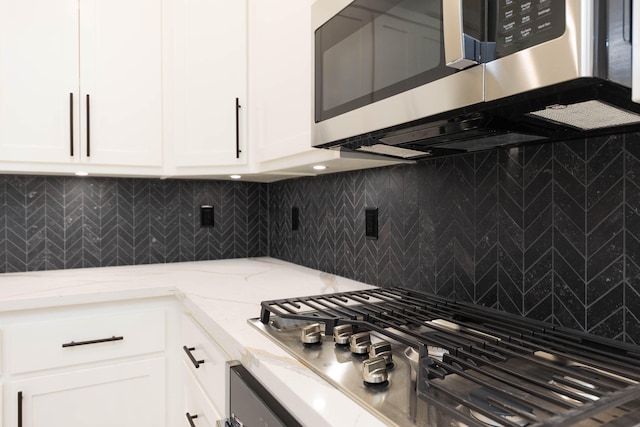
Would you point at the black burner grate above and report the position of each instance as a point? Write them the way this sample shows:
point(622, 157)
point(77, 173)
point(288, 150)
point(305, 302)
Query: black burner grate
point(589, 379)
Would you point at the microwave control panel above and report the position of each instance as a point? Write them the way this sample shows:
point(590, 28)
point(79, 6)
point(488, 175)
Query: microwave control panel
point(521, 24)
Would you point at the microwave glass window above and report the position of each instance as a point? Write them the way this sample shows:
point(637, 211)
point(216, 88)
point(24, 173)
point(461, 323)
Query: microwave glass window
point(374, 49)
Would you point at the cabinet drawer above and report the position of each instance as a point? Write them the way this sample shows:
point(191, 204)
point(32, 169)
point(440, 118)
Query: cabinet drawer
point(130, 394)
point(197, 405)
point(81, 339)
point(210, 360)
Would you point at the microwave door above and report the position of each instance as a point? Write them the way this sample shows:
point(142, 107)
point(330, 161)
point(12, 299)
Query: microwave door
point(538, 46)
point(380, 64)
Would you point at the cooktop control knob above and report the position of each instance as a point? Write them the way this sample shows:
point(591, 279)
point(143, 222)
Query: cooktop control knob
point(359, 343)
point(381, 349)
point(374, 371)
point(342, 333)
point(311, 334)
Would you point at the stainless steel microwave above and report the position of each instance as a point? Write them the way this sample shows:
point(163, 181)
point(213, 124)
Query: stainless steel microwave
point(415, 78)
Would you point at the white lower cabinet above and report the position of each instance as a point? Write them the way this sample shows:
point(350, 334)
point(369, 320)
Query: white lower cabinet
point(206, 362)
point(124, 395)
point(131, 363)
point(84, 338)
point(111, 364)
point(199, 411)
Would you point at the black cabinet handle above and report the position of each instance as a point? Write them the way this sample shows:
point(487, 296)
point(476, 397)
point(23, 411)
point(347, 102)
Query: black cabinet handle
point(74, 344)
point(238, 128)
point(190, 418)
point(71, 123)
point(88, 127)
point(195, 362)
point(19, 409)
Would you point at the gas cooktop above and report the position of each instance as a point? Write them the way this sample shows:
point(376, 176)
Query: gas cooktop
point(416, 359)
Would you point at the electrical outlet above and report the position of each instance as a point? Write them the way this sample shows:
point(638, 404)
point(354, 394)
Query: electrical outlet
point(295, 218)
point(206, 216)
point(371, 223)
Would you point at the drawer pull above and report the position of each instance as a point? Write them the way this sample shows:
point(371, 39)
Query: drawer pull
point(238, 106)
point(190, 418)
point(71, 123)
point(195, 362)
point(88, 128)
point(74, 344)
point(19, 409)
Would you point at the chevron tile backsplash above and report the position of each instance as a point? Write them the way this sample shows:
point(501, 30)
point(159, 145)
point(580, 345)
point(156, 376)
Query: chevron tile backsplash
point(550, 231)
point(49, 223)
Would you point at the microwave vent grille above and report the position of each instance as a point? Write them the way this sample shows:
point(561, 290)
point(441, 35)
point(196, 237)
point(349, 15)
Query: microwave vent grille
point(393, 151)
point(587, 115)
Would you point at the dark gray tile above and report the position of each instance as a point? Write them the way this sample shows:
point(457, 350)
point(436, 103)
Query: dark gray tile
point(572, 186)
point(54, 222)
point(35, 223)
point(538, 248)
point(604, 231)
point(608, 178)
point(538, 297)
point(126, 222)
point(605, 256)
point(186, 226)
point(74, 216)
point(3, 226)
point(565, 226)
point(91, 215)
point(569, 307)
point(16, 224)
point(601, 151)
point(573, 210)
point(572, 257)
point(109, 222)
point(157, 221)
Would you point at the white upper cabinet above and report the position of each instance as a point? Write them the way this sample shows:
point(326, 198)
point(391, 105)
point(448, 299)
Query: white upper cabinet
point(39, 73)
point(280, 77)
point(206, 87)
point(121, 73)
point(80, 85)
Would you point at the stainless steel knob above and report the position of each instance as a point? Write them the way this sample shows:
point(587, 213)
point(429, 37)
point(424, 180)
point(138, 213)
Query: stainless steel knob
point(381, 349)
point(311, 334)
point(374, 371)
point(342, 333)
point(359, 343)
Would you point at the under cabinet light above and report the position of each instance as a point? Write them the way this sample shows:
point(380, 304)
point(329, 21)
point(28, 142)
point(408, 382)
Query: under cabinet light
point(82, 173)
point(319, 167)
point(235, 176)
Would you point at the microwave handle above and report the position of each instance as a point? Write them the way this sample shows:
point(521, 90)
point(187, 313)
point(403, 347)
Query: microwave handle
point(458, 47)
point(635, 51)
point(461, 50)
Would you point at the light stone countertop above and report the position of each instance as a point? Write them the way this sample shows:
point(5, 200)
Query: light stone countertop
point(222, 295)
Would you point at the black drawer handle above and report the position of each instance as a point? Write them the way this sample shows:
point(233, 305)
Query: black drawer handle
point(195, 362)
point(238, 106)
point(71, 124)
point(74, 344)
point(190, 418)
point(88, 127)
point(19, 409)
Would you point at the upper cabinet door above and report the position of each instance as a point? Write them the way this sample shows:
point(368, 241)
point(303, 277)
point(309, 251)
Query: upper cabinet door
point(121, 81)
point(208, 73)
point(38, 74)
point(280, 77)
